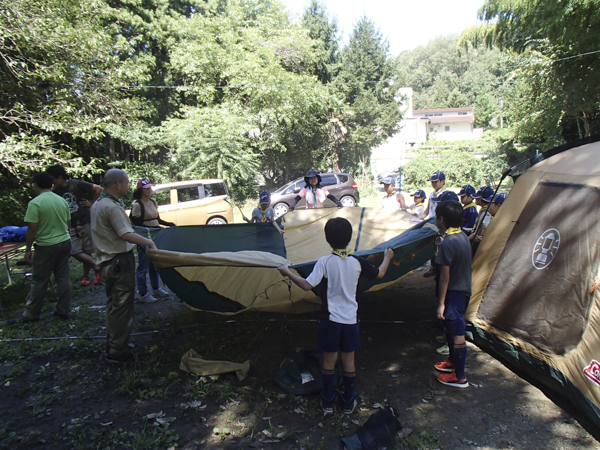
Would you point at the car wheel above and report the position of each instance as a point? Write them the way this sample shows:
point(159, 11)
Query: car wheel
point(217, 221)
point(348, 201)
point(281, 209)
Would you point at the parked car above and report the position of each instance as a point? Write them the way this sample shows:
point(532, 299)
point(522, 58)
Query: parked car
point(340, 185)
point(196, 202)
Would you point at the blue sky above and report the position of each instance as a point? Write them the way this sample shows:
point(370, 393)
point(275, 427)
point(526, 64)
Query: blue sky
point(407, 25)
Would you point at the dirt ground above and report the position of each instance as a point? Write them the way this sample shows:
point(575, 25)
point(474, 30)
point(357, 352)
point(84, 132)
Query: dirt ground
point(62, 394)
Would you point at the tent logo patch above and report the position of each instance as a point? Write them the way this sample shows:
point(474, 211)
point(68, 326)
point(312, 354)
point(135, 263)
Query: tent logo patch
point(545, 249)
point(593, 371)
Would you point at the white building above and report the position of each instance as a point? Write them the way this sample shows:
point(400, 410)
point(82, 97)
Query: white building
point(420, 126)
point(451, 124)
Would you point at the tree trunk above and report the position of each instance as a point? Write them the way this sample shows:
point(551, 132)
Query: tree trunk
point(111, 149)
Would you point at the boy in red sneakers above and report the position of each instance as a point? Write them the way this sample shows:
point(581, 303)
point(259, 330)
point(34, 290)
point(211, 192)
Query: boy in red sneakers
point(454, 261)
point(338, 275)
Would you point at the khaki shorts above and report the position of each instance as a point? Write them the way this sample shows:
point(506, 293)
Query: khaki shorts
point(81, 239)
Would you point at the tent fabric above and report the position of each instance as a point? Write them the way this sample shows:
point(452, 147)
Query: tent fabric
point(534, 275)
point(232, 268)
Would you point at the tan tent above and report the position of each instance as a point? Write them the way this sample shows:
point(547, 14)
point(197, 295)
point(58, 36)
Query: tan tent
point(536, 303)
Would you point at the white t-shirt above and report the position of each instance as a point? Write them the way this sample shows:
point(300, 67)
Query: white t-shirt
point(432, 204)
point(417, 209)
point(391, 203)
point(341, 280)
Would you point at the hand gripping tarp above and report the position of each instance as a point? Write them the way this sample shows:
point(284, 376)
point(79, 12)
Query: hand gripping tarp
point(232, 268)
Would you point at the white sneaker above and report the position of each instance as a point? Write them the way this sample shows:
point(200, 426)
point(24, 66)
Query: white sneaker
point(160, 293)
point(148, 298)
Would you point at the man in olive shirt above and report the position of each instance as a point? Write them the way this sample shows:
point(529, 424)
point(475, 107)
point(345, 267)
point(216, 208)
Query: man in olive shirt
point(114, 240)
point(48, 221)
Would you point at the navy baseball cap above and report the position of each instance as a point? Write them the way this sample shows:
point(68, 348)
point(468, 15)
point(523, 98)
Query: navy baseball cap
point(265, 197)
point(467, 189)
point(437, 176)
point(499, 198)
point(389, 180)
point(419, 193)
point(484, 192)
point(446, 196)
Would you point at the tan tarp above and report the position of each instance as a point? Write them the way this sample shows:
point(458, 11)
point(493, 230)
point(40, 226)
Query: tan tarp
point(547, 311)
point(249, 278)
point(192, 362)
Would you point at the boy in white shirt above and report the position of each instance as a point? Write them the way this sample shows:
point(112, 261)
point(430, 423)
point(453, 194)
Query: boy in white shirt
point(338, 274)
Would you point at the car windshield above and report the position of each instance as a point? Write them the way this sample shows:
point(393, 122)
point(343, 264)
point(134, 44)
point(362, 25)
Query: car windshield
point(285, 186)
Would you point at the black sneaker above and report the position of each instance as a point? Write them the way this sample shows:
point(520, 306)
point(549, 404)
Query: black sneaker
point(327, 405)
point(61, 316)
point(21, 319)
point(348, 407)
point(114, 359)
point(430, 272)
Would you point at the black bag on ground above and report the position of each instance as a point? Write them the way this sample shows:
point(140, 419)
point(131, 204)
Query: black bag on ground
point(377, 434)
point(301, 374)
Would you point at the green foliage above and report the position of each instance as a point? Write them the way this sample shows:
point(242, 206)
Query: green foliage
point(556, 93)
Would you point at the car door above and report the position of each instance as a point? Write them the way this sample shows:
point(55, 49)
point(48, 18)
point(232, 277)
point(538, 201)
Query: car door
point(330, 182)
point(190, 206)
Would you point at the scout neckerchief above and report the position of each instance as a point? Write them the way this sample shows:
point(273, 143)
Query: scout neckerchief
point(451, 230)
point(313, 200)
point(112, 197)
point(342, 252)
point(389, 195)
point(470, 205)
point(263, 212)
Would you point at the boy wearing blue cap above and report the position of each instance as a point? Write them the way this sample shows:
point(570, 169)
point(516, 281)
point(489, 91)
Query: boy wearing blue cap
point(469, 208)
point(392, 200)
point(264, 212)
point(454, 291)
point(418, 206)
point(438, 182)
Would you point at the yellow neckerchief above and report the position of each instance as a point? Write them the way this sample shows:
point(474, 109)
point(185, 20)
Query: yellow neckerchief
point(264, 212)
point(452, 230)
point(472, 204)
point(389, 195)
point(436, 193)
point(342, 252)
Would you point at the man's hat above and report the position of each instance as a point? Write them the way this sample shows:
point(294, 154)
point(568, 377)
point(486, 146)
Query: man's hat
point(499, 198)
point(484, 192)
point(144, 183)
point(446, 196)
point(419, 193)
point(265, 197)
point(389, 180)
point(467, 189)
point(437, 176)
point(311, 174)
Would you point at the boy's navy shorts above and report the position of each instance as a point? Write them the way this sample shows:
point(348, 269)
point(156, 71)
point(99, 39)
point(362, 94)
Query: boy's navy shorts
point(335, 337)
point(454, 313)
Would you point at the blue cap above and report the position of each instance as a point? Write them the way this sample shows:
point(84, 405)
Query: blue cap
point(437, 176)
point(484, 192)
point(446, 196)
point(419, 193)
point(265, 197)
point(467, 189)
point(499, 198)
point(389, 180)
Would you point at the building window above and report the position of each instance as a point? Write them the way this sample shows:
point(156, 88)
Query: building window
point(447, 128)
point(437, 115)
point(430, 129)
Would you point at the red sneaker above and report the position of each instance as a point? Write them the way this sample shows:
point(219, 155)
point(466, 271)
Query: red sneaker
point(85, 281)
point(98, 278)
point(445, 366)
point(449, 379)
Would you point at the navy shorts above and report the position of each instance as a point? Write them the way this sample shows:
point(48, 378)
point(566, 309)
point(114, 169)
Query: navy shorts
point(454, 313)
point(335, 337)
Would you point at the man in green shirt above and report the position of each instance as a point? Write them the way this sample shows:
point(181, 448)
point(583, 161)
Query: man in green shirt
point(48, 221)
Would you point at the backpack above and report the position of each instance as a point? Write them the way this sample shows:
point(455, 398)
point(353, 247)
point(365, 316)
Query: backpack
point(143, 212)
